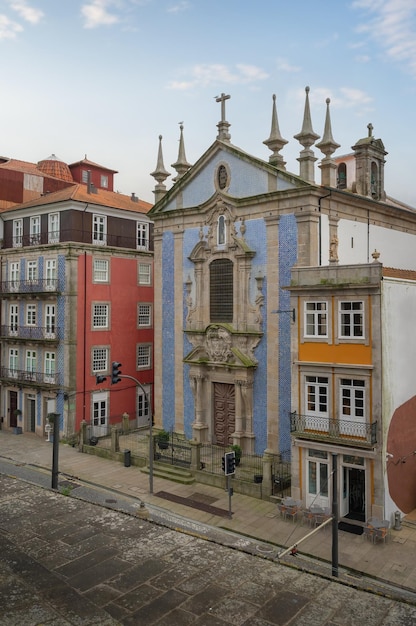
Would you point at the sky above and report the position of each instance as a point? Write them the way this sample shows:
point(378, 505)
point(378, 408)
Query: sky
point(105, 78)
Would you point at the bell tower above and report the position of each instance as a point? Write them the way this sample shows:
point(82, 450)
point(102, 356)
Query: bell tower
point(369, 166)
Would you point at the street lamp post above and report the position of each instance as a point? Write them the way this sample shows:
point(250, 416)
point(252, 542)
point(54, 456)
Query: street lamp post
point(151, 451)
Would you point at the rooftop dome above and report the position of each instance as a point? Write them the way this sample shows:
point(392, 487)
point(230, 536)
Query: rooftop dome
point(52, 166)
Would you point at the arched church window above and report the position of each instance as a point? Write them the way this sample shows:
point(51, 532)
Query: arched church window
point(342, 176)
point(374, 180)
point(221, 230)
point(221, 290)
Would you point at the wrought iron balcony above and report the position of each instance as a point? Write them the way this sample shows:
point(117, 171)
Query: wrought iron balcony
point(28, 378)
point(30, 333)
point(345, 432)
point(38, 285)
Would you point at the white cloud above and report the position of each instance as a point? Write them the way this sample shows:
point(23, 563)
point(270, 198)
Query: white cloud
point(181, 6)
point(393, 25)
point(96, 14)
point(205, 75)
point(27, 12)
point(8, 28)
point(343, 98)
point(284, 66)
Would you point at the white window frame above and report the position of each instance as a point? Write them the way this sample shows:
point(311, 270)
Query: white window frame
point(50, 321)
point(31, 314)
point(145, 274)
point(100, 315)
point(99, 359)
point(101, 274)
point(53, 228)
point(14, 319)
point(352, 404)
point(51, 274)
point(31, 360)
point(99, 229)
point(104, 181)
point(32, 270)
point(144, 315)
point(14, 274)
point(13, 362)
point(316, 319)
point(318, 489)
point(34, 230)
point(350, 317)
point(84, 176)
point(142, 235)
point(50, 367)
point(142, 405)
point(144, 356)
point(99, 413)
point(18, 233)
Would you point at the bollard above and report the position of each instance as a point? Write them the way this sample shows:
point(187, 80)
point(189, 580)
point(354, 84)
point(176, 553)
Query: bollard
point(127, 458)
point(397, 521)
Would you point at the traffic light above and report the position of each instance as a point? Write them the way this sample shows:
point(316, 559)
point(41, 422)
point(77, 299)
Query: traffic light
point(223, 464)
point(115, 372)
point(229, 462)
point(100, 379)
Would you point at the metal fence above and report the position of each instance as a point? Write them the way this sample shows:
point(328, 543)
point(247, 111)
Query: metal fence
point(248, 469)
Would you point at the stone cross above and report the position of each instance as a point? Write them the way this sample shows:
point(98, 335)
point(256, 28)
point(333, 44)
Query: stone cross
point(222, 99)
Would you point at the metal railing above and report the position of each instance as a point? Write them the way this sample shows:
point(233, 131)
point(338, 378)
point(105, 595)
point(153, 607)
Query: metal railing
point(25, 377)
point(340, 431)
point(51, 333)
point(38, 285)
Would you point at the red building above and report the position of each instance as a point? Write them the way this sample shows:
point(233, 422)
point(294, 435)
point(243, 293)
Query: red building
point(76, 294)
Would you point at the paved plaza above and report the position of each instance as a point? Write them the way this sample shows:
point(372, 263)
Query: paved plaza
point(112, 553)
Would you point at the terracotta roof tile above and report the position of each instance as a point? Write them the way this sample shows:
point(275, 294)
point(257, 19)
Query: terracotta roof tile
point(392, 272)
point(79, 193)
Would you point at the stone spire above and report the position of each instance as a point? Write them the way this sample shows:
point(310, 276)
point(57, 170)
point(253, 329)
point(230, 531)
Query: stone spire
point(223, 125)
point(307, 138)
point(181, 165)
point(275, 142)
point(328, 146)
point(160, 174)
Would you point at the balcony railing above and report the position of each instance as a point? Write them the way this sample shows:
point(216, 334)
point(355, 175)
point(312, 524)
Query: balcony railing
point(346, 432)
point(37, 285)
point(26, 377)
point(30, 333)
point(82, 236)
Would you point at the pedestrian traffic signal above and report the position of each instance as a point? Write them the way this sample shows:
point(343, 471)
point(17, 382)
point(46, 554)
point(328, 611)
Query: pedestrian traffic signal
point(100, 379)
point(223, 464)
point(229, 462)
point(115, 372)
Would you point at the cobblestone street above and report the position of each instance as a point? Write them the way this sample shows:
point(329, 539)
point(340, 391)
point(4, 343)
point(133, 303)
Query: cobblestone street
point(65, 561)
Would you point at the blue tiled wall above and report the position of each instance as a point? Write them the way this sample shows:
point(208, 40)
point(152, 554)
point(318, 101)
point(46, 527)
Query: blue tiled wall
point(168, 338)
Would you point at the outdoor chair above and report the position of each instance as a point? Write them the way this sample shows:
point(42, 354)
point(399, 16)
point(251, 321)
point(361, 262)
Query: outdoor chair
point(308, 517)
point(282, 509)
point(381, 534)
point(368, 533)
point(292, 512)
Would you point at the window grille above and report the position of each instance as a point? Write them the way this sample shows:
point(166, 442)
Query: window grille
point(221, 290)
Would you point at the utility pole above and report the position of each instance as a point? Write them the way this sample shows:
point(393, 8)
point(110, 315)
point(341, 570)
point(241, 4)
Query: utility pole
point(116, 376)
point(54, 418)
point(335, 515)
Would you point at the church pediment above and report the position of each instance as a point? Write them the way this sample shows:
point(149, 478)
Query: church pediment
point(220, 346)
point(224, 168)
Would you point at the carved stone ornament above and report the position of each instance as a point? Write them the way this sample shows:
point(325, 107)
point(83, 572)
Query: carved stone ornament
point(218, 344)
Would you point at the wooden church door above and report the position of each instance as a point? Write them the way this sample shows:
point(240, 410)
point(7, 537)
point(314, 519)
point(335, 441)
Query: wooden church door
point(224, 413)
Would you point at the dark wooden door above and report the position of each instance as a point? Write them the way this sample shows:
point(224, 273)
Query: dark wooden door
point(224, 413)
point(12, 408)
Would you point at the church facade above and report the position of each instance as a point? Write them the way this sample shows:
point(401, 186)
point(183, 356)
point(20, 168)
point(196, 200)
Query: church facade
point(228, 235)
